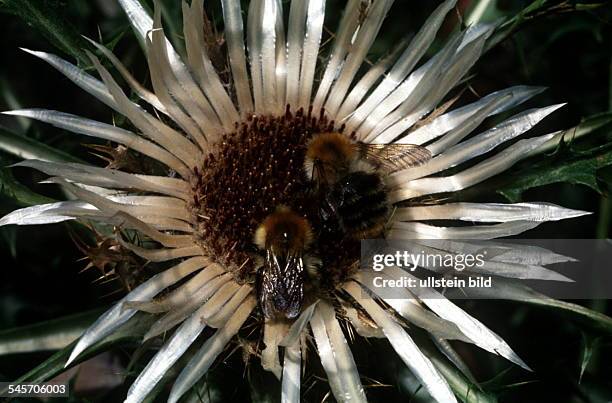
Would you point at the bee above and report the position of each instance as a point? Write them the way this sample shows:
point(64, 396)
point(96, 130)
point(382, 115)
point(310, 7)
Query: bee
point(349, 177)
point(284, 236)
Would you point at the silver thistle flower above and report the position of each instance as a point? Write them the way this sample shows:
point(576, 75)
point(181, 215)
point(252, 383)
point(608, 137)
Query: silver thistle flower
point(233, 150)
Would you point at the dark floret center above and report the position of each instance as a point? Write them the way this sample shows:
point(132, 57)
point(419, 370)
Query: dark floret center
point(250, 172)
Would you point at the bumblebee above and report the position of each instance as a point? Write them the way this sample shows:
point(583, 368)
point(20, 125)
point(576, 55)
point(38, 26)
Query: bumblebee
point(349, 177)
point(284, 236)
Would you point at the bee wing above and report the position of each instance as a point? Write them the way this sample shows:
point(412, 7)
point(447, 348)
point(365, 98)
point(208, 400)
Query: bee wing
point(319, 172)
point(394, 157)
point(294, 285)
point(282, 285)
point(269, 279)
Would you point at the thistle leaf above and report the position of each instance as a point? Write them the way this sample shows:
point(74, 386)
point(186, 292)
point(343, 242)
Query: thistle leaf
point(463, 388)
point(49, 335)
point(20, 194)
point(131, 332)
point(536, 9)
point(566, 164)
point(514, 291)
point(51, 24)
point(28, 148)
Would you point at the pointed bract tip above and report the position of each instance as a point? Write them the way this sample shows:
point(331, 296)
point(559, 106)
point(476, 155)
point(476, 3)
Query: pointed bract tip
point(524, 365)
point(566, 213)
point(27, 113)
point(538, 88)
point(547, 110)
point(516, 359)
point(34, 52)
point(149, 335)
point(94, 59)
point(98, 46)
point(12, 113)
point(73, 355)
point(19, 164)
point(555, 276)
point(580, 213)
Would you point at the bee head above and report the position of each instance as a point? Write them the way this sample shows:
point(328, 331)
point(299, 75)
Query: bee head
point(328, 153)
point(284, 230)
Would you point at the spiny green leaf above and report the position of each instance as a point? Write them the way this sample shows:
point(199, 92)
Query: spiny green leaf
point(595, 319)
point(511, 290)
point(587, 126)
point(50, 335)
point(580, 172)
point(20, 194)
point(131, 332)
point(536, 9)
point(566, 165)
point(28, 148)
point(465, 390)
point(50, 23)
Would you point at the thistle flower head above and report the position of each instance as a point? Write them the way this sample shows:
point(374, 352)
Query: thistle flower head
point(232, 146)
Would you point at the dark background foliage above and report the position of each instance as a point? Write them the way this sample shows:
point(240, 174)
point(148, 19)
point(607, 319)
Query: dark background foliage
point(569, 52)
